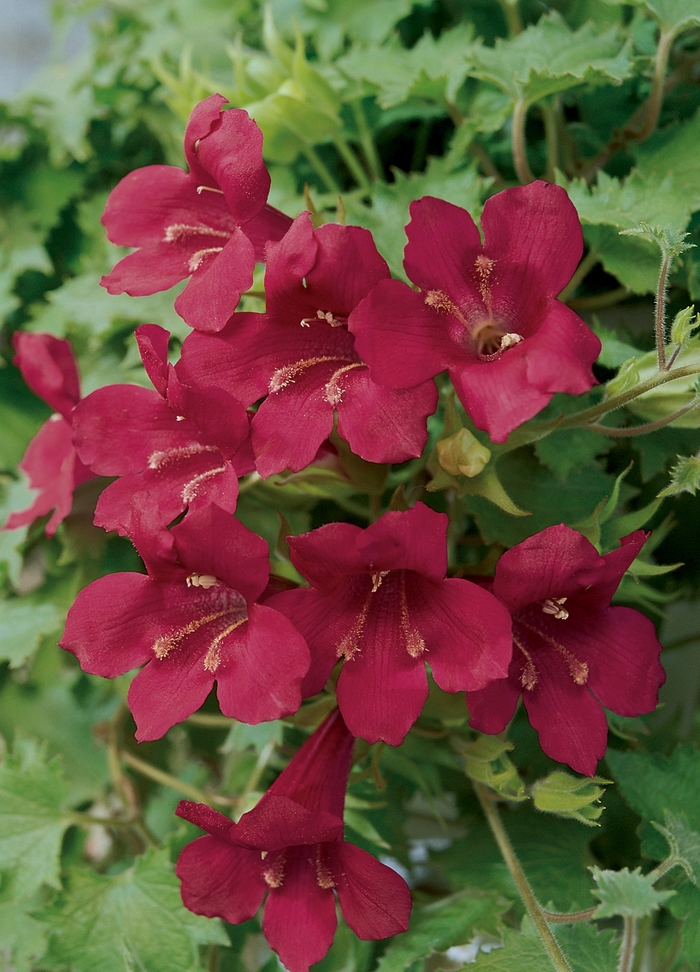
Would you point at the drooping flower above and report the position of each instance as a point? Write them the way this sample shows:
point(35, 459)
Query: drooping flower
point(194, 619)
point(486, 314)
point(291, 845)
point(210, 223)
point(50, 462)
point(572, 652)
point(301, 355)
point(380, 600)
point(173, 448)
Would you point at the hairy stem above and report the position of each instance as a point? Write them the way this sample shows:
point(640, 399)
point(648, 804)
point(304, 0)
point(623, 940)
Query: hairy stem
point(172, 782)
point(580, 274)
point(629, 941)
point(633, 430)
point(319, 167)
point(660, 311)
point(556, 919)
point(518, 143)
point(557, 957)
point(352, 162)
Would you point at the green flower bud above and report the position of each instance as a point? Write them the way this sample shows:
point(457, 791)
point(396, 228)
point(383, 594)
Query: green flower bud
point(462, 453)
point(486, 761)
point(626, 378)
point(672, 395)
point(570, 796)
point(683, 326)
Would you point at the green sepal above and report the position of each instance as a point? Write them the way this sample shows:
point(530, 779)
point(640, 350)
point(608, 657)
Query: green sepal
point(570, 796)
point(486, 761)
point(685, 477)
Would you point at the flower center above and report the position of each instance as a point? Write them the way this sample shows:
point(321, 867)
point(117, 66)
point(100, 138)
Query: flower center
point(489, 338)
point(324, 877)
point(203, 580)
point(412, 639)
point(554, 606)
point(578, 670)
point(328, 317)
point(273, 871)
point(227, 611)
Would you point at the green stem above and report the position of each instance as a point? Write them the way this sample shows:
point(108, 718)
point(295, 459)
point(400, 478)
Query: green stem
point(319, 167)
point(366, 140)
point(551, 137)
point(557, 957)
point(556, 919)
point(211, 721)
point(351, 160)
point(642, 938)
point(629, 941)
point(518, 143)
point(580, 274)
point(660, 311)
point(629, 431)
point(172, 782)
point(656, 95)
point(599, 301)
point(260, 766)
point(514, 21)
point(87, 820)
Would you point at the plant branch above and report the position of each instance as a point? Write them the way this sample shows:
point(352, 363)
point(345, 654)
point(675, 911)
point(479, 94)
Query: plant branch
point(554, 918)
point(172, 782)
point(599, 301)
point(366, 141)
point(511, 13)
point(485, 163)
point(660, 311)
point(518, 143)
point(319, 167)
point(629, 431)
point(580, 274)
point(211, 721)
point(551, 137)
point(557, 957)
point(629, 941)
point(352, 162)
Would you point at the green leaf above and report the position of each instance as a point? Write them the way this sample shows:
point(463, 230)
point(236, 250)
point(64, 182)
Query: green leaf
point(571, 449)
point(673, 15)
point(549, 57)
point(683, 842)
point(614, 352)
point(627, 893)
point(441, 925)
point(587, 950)
point(32, 818)
point(23, 622)
point(22, 938)
point(685, 477)
point(362, 826)
point(433, 70)
point(133, 920)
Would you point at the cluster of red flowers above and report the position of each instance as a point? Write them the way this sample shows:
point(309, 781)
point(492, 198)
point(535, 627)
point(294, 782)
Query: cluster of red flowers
point(338, 338)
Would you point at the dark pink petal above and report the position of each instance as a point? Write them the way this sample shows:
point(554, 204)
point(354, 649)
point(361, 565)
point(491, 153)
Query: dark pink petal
point(536, 231)
point(147, 271)
point(121, 429)
point(205, 118)
point(598, 595)
point(262, 666)
point(144, 203)
point(325, 555)
point(492, 708)
point(268, 226)
point(218, 279)
point(153, 348)
point(48, 366)
point(278, 822)
point(466, 630)
point(561, 353)
point(299, 921)
point(220, 880)
point(53, 469)
point(403, 340)
point(556, 562)
point(288, 263)
point(374, 899)
point(443, 243)
point(414, 540)
point(384, 424)
point(622, 652)
point(211, 541)
point(105, 627)
point(231, 155)
point(220, 417)
point(202, 816)
point(570, 723)
point(497, 394)
point(168, 690)
point(289, 426)
point(382, 688)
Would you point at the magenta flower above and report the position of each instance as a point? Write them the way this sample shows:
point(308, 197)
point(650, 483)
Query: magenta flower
point(174, 448)
point(291, 845)
point(301, 355)
point(50, 462)
point(380, 600)
point(486, 314)
point(211, 223)
point(572, 652)
point(192, 621)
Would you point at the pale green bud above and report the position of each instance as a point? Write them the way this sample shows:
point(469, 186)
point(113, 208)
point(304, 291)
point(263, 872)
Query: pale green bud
point(565, 795)
point(683, 326)
point(626, 378)
point(462, 454)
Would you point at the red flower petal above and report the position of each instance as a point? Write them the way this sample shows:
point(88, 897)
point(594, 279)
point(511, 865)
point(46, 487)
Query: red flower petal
point(325, 555)
point(278, 822)
point(168, 690)
point(492, 707)
point(375, 900)
point(299, 920)
point(217, 282)
point(215, 823)
point(153, 348)
point(559, 356)
point(220, 880)
point(442, 267)
point(414, 540)
point(48, 366)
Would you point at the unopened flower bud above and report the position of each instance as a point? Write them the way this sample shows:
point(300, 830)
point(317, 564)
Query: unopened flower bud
point(626, 378)
point(683, 325)
point(462, 453)
point(570, 796)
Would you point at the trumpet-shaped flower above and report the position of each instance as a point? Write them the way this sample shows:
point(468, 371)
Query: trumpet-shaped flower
point(488, 314)
point(290, 847)
point(572, 652)
point(300, 356)
point(380, 601)
point(209, 224)
point(192, 621)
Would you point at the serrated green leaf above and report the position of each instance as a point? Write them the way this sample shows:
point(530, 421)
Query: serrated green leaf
point(548, 57)
point(133, 920)
point(683, 842)
point(586, 949)
point(32, 818)
point(564, 452)
point(685, 477)
point(439, 926)
point(672, 15)
point(627, 893)
point(23, 622)
point(22, 939)
point(433, 69)
point(614, 352)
